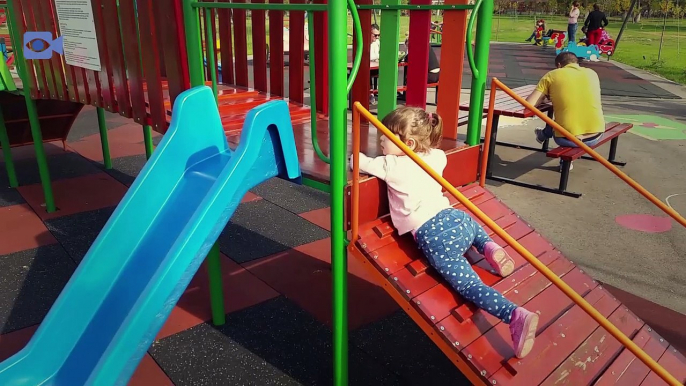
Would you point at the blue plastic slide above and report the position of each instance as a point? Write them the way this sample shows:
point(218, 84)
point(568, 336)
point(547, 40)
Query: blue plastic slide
point(108, 314)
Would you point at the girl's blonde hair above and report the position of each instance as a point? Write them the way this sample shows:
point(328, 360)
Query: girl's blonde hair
point(412, 122)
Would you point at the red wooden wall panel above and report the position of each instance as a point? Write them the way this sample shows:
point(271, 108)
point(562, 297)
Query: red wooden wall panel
point(21, 29)
point(127, 15)
point(38, 65)
point(226, 47)
point(240, 46)
point(173, 47)
point(276, 61)
point(115, 50)
point(360, 91)
point(418, 64)
point(321, 60)
point(104, 80)
point(296, 54)
point(259, 49)
point(150, 56)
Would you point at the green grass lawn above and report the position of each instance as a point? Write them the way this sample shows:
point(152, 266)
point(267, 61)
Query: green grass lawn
point(638, 47)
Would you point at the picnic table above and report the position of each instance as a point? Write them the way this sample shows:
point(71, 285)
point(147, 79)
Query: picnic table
point(507, 106)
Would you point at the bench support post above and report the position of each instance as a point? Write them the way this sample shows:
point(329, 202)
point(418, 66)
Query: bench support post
point(613, 148)
point(564, 175)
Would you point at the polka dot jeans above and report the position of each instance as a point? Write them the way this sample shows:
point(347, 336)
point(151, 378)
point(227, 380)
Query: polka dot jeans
point(444, 240)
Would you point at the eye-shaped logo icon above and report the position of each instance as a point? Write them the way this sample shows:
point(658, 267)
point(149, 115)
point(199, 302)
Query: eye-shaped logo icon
point(39, 45)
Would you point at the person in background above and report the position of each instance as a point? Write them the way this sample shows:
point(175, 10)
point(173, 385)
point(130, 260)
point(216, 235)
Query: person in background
point(575, 94)
point(374, 48)
point(594, 24)
point(434, 65)
point(573, 22)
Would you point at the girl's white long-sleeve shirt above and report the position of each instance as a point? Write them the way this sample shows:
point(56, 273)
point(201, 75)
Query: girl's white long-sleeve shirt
point(413, 196)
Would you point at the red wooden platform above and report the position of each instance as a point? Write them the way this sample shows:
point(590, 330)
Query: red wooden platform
point(570, 347)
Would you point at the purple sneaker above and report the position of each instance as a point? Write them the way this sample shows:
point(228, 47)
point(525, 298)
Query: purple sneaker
point(523, 331)
point(498, 259)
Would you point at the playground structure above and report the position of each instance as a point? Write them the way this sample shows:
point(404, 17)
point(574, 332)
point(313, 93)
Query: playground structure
point(145, 79)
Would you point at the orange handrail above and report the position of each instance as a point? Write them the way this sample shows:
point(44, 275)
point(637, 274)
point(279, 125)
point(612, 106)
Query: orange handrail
point(359, 110)
point(496, 84)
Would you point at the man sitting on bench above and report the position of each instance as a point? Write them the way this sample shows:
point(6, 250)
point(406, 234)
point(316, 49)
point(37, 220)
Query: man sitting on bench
point(575, 94)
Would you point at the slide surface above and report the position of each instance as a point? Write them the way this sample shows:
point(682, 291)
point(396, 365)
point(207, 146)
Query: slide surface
point(119, 297)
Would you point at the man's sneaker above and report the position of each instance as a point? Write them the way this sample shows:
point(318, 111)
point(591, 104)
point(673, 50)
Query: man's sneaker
point(498, 258)
point(540, 137)
point(523, 325)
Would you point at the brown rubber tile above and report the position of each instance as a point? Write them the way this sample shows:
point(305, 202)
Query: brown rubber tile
point(11, 343)
point(76, 195)
point(303, 275)
point(22, 229)
point(241, 289)
point(124, 141)
point(319, 217)
point(149, 373)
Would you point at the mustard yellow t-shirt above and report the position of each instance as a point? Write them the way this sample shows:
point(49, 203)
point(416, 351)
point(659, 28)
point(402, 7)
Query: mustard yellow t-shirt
point(575, 93)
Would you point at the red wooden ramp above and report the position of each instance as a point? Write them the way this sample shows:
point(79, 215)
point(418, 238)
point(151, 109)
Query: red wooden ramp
point(570, 348)
point(56, 118)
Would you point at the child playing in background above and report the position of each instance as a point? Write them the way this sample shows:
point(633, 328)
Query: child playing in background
point(443, 233)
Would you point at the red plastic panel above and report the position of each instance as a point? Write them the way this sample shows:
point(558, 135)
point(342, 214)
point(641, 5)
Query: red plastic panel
point(150, 55)
point(57, 90)
point(627, 370)
point(259, 48)
point(276, 85)
point(133, 60)
point(173, 48)
point(555, 343)
point(39, 65)
point(240, 45)
point(590, 359)
point(321, 59)
point(104, 84)
point(495, 347)
point(21, 29)
point(418, 64)
point(226, 48)
point(360, 90)
point(296, 54)
point(117, 58)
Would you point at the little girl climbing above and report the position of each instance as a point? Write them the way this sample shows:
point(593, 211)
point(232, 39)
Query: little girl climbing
point(443, 233)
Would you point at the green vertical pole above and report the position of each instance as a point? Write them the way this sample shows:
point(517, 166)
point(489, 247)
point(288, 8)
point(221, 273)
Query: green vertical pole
point(147, 138)
point(338, 63)
point(32, 112)
point(104, 141)
point(476, 99)
point(7, 152)
point(211, 64)
point(191, 17)
point(388, 61)
point(214, 271)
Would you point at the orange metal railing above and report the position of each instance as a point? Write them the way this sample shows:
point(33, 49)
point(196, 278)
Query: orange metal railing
point(359, 111)
point(496, 84)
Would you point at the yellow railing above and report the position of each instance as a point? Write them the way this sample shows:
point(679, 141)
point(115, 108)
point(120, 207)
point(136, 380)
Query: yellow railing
point(496, 84)
point(359, 111)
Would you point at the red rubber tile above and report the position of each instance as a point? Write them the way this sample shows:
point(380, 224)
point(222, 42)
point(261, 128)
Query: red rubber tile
point(28, 151)
point(149, 373)
point(249, 197)
point(75, 195)
point(319, 217)
point(241, 289)
point(124, 141)
point(303, 275)
point(11, 343)
point(22, 229)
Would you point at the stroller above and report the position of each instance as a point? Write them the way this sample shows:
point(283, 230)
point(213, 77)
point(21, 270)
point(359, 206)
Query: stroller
point(606, 44)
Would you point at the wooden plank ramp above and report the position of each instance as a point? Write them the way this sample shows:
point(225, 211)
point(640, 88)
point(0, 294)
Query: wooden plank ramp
point(570, 349)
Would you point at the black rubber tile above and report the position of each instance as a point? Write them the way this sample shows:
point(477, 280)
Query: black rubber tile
point(62, 166)
point(86, 123)
point(260, 228)
point(126, 169)
point(78, 231)
point(272, 343)
point(30, 281)
point(403, 347)
point(9, 196)
point(293, 197)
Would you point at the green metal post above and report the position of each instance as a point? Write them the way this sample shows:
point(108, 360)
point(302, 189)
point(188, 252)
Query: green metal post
point(211, 63)
point(476, 99)
point(388, 60)
point(197, 76)
point(32, 111)
point(191, 17)
point(214, 271)
point(7, 152)
point(147, 138)
point(338, 63)
point(104, 141)
point(313, 93)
